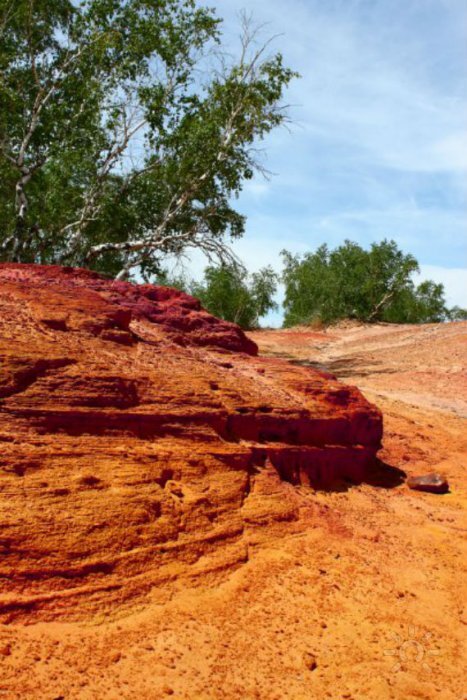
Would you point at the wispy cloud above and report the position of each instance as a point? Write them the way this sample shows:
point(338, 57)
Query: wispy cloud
point(379, 142)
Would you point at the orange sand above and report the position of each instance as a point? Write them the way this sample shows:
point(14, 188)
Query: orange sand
point(361, 597)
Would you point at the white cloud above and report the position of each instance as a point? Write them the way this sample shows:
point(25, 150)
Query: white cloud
point(256, 188)
point(452, 151)
point(369, 77)
point(454, 280)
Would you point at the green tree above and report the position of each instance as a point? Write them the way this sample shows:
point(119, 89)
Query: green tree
point(350, 282)
point(457, 314)
point(121, 139)
point(229, 293)
point(308, 287)
point(179, 281)
point(422, 304)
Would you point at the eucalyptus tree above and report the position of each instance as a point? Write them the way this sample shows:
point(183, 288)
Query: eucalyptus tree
point(229, 292)
point(368, 285)
point(126, 130)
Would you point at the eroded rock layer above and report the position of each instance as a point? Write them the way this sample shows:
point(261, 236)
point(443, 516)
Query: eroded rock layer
point(142, 439)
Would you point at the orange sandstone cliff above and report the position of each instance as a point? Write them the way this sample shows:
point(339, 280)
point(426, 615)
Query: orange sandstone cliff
point(143, 441)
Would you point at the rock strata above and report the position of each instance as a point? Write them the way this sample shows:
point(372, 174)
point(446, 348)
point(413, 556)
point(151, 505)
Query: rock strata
point(143, 441)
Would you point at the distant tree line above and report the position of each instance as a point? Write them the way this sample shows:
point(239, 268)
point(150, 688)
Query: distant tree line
point(324, 287)
point(367, 285)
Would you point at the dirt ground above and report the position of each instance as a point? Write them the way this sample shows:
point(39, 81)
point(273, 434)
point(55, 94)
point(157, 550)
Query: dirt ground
point(365, 600)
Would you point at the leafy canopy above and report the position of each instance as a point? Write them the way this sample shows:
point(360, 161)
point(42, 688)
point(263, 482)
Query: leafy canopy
point(125, 131)
point(368, 285)
point(229, 292)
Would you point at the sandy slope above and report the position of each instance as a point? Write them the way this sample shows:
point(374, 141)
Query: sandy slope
point(362, 598)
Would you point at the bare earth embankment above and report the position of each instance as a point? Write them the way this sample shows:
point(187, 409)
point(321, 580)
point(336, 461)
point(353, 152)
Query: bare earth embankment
point(403, 589)
point(167, 558)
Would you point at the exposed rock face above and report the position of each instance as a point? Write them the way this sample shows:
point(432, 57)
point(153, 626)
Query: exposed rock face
point(142, 440)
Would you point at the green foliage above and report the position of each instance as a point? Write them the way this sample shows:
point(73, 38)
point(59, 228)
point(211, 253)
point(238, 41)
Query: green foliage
point(179, 281)
point(350, 282)
point(457, 314)
point(119, 142)
point(229, 293)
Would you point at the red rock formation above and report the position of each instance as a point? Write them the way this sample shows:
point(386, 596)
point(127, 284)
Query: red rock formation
point(142, 440)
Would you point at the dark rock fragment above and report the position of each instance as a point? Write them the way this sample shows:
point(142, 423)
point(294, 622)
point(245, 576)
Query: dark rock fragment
point(433, 483)
point(310, 661)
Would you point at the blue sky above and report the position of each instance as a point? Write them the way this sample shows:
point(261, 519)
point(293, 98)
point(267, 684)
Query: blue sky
point(378, 144)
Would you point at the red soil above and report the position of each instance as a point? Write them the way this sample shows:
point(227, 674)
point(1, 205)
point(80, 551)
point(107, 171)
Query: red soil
point(177, 517)
point(128, 460)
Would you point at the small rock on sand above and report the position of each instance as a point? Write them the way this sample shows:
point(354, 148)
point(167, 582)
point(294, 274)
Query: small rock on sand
point(434, 483)
point(310, 661)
